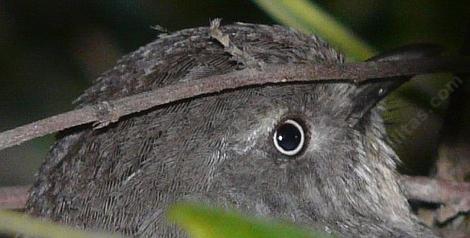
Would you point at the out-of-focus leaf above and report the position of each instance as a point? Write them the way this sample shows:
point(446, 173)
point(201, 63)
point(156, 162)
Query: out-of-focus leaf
point(16, 223)
point(204, 222)
point(309, 18)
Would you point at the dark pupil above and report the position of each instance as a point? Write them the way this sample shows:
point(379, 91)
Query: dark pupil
point(288, 137)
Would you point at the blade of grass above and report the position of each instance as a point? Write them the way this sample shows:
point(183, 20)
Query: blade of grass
point(206, 222)
point(17, 223)
point(310, 18)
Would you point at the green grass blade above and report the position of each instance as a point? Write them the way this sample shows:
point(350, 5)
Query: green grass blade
point(17, 223)
point(204, 222)
point(309, 18)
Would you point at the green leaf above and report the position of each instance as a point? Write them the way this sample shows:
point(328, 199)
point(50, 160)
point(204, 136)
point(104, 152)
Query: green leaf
point(204, 222)
point(17, 223)
point(309, 18)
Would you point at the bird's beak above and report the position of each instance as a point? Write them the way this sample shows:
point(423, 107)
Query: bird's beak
point(369, 93)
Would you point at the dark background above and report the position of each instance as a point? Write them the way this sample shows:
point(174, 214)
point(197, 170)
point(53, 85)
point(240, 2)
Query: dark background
point(50, 51)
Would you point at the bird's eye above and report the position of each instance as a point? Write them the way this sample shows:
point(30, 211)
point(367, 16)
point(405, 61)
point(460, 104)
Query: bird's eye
point(289, 138)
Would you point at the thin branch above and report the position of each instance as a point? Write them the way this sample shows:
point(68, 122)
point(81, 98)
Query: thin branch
point(107, 112)
point(454, 196)
point(13, 197)
point(237, 54)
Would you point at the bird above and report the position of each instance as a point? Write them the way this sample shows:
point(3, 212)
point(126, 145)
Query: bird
point(314, 154)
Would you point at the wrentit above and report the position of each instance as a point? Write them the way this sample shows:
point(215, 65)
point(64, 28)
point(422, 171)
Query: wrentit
point(315, 154)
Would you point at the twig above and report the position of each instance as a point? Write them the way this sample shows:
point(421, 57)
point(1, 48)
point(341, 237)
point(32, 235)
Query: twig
point(110, 111)
point(13, 197)
point(447, 193)
point(454, 196)
point(238, 55)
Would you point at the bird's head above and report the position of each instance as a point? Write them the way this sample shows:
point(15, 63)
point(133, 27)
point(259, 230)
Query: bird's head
point(312, 153)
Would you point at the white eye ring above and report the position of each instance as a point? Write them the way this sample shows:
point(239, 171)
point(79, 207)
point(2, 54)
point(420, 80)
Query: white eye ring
point(295, 133)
